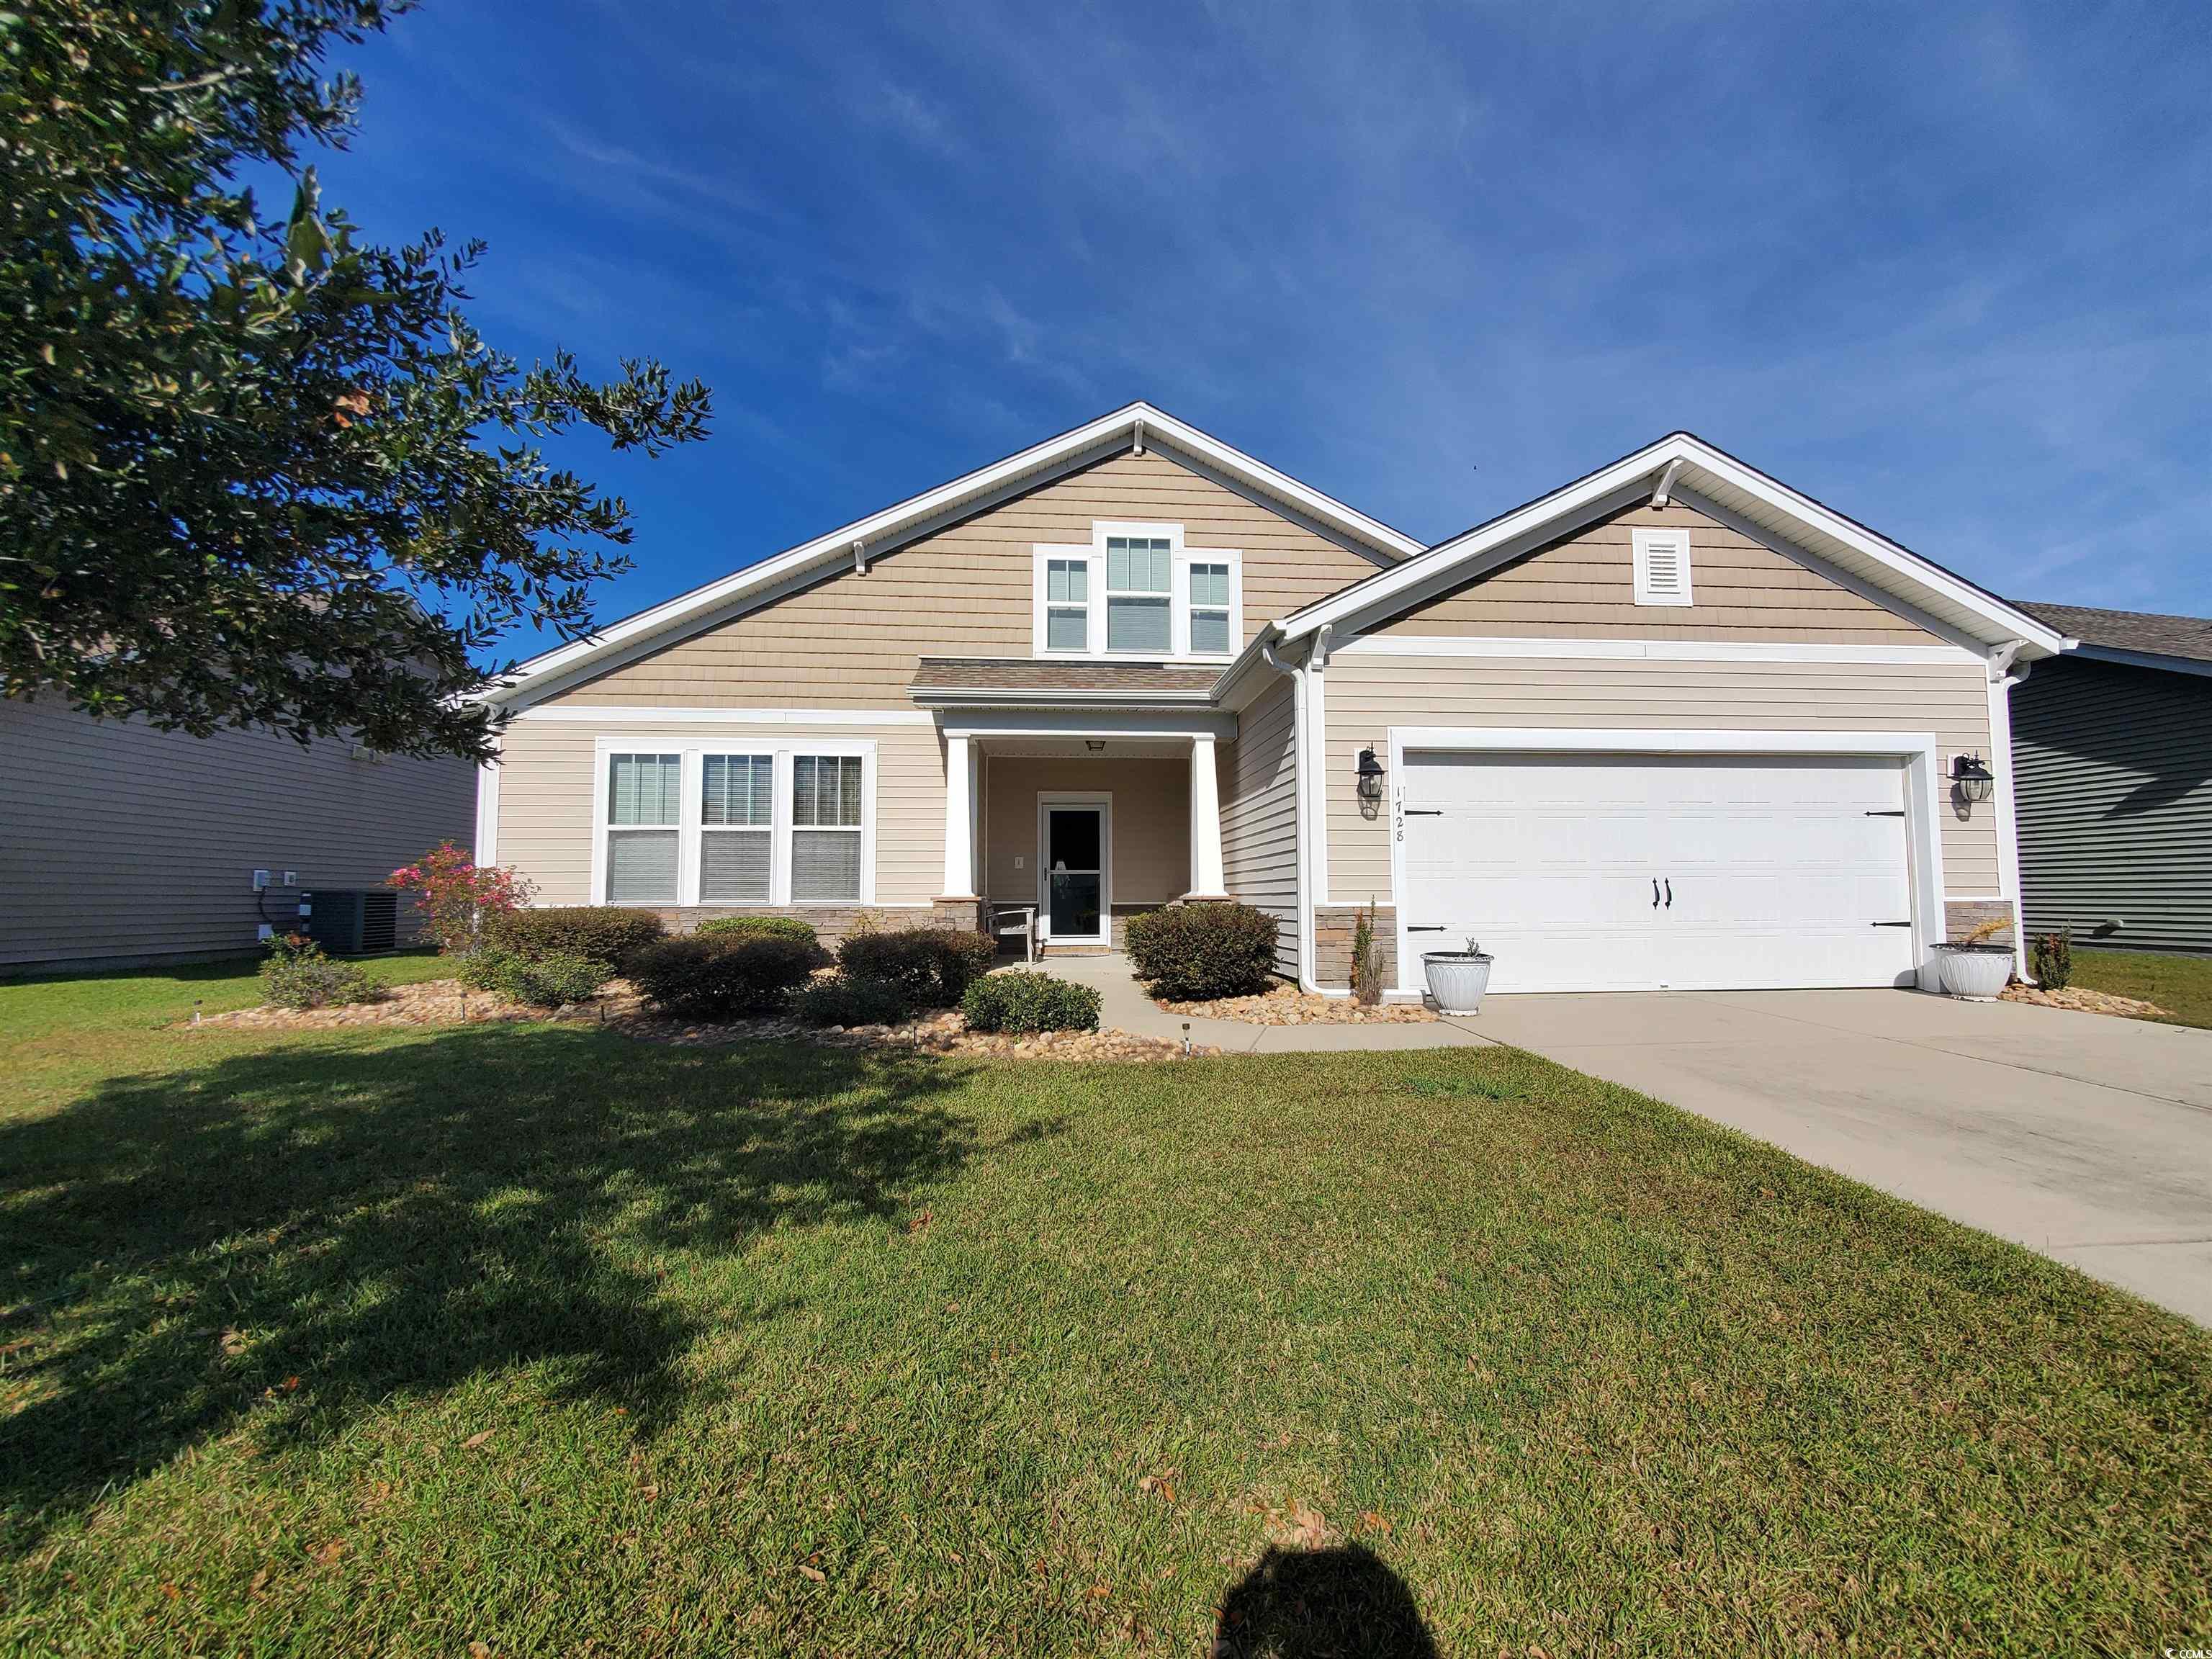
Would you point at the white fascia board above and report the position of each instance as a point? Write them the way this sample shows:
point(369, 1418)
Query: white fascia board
point(696, 714)
point(1535, 648)
point(903, 519)
point(1101, 723)
point(1463, 557)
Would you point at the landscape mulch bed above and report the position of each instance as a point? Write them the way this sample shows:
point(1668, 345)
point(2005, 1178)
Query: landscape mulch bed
point(2083, 1001)
point(1286, 1004)
point(442, 1002)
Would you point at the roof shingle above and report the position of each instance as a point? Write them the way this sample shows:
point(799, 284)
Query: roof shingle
point(2152, 634)
point(1030, 675)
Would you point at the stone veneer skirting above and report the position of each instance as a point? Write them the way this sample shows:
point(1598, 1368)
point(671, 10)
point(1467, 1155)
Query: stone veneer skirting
point(1333, 927)
point(1962, 916)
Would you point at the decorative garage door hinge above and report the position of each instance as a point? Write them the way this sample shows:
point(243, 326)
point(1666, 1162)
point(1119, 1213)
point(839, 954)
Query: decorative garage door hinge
point(1893, 924)
point(1425, 812)
point(1894, 813)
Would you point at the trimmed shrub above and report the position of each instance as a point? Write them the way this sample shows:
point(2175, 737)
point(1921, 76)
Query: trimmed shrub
point(547, 981)
point(721, 978)
point(757, 928)
point(931, 967)
point(1018, 1001)
point(2051, 955)
point(841, 1000)
point(1195, 952)
point(606, 932)
point(297, 974)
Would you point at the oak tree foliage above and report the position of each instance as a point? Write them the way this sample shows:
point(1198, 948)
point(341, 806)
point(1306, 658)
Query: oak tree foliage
point(254, 469)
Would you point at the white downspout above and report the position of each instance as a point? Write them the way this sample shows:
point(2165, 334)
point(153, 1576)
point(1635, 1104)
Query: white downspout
point(1299, 803)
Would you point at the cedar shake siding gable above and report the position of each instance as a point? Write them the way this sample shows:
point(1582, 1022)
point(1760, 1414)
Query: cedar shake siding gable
point(1582, 586)
point(856, 639)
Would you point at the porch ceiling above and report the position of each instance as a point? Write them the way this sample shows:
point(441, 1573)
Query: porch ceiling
point(1079, 747)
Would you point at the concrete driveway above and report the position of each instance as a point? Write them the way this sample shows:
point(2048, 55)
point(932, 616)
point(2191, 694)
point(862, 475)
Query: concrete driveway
point(2082, 1136)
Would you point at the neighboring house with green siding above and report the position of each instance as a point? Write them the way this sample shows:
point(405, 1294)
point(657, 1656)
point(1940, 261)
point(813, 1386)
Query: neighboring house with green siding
point(2112, 757)
point(122, 845)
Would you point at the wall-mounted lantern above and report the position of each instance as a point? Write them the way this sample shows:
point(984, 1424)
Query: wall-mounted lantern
point(1370, 776)
point(1971, 777)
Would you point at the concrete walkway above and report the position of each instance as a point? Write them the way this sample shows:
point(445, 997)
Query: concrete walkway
point(2084, 1137)
point(1125, 1007)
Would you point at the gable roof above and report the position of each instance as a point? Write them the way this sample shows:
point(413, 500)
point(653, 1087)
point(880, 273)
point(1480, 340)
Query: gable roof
point(1723, 488)
point(2134, 636)
point(1138, 424)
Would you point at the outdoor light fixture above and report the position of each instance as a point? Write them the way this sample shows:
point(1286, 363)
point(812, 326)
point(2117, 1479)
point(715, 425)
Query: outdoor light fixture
point(1370, 776)
point(1971, 777)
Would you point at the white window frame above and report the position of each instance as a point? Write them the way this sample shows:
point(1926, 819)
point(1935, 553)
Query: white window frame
point(1093, 558)
point(1642, 542)
point(690, 829)
point(696, 807)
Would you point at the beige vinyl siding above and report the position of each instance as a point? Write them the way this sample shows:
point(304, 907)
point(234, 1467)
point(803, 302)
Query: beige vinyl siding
point(548, 773)
point(851, 639)
point(1150, 862)
point(1367, 695)
point(1259, 814)
point(119, 841)
point(1584, 587)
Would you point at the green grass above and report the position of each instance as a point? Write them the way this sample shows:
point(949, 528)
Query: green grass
point(2181, 985)
point(381, 1342)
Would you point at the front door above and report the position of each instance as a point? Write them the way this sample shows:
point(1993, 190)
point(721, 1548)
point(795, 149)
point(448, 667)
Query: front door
point(1073, 840)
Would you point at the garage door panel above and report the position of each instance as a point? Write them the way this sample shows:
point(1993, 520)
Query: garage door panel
point(1777, 867)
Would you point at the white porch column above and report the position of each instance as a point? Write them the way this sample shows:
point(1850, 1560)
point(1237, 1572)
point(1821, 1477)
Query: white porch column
point(1205, 879)
point(959, 819)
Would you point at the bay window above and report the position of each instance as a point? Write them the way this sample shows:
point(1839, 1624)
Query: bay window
point(788, 825)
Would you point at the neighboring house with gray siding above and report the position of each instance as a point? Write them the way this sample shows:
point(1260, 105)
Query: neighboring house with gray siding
point(121, 845)
point(1672, 725)
point(2113, 749)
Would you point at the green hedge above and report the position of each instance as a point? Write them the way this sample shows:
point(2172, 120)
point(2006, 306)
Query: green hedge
point(546, 981)
point(297, 974)
point(841, 1000)
point(931, 967)
point(721, 978)
point(757, 928)
point(1194, 952)
point(612, 934)
point(1017, 1001)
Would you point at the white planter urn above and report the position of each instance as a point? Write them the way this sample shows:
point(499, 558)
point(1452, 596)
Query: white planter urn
point(1974, 973)
point(1457, 979)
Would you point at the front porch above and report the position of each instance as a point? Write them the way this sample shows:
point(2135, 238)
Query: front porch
point(1087, 831)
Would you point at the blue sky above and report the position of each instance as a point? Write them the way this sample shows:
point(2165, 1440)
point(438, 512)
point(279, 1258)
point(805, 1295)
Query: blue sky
point(1947, 268)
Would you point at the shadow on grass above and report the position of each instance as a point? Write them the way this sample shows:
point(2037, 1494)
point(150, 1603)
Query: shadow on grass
point(396, 1218)
point(1339, 1603)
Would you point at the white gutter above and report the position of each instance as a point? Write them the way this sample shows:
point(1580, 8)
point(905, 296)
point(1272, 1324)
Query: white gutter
point(1300, 807)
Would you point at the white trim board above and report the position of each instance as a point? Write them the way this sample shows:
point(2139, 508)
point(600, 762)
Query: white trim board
point(1924, 793)
point(1625, 650)
point(616, 714)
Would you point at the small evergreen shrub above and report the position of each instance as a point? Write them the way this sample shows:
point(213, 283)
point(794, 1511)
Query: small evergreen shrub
point(1195, 953)
point(757, 928)
point(297, 974)
point(1017, 1001)
point(721, 978)
point(842, 1000)
point(2052, 958)
point(931, 967)
point(546, 981)
point(606, 933)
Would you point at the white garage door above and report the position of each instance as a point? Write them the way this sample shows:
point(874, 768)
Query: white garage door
point(1585, 872)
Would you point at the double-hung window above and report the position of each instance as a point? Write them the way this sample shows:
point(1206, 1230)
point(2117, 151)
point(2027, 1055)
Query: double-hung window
point(1136, 591)
point(736, 829)
point(825, 828)
point(1139, 592)
point(645, 816)
point(784, 824)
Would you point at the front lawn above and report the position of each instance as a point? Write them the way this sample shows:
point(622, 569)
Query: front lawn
point(2182, 985)
point(537, 1338)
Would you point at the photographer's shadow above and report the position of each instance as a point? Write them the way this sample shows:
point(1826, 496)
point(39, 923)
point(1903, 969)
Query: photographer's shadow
point(1338, 1603)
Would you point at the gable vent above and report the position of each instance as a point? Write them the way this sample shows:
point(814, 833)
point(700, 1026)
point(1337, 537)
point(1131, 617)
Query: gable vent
point(1662, 567)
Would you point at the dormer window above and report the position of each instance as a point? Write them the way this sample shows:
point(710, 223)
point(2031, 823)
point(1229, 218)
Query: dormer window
point(1137, 593)
point(1662, 566)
